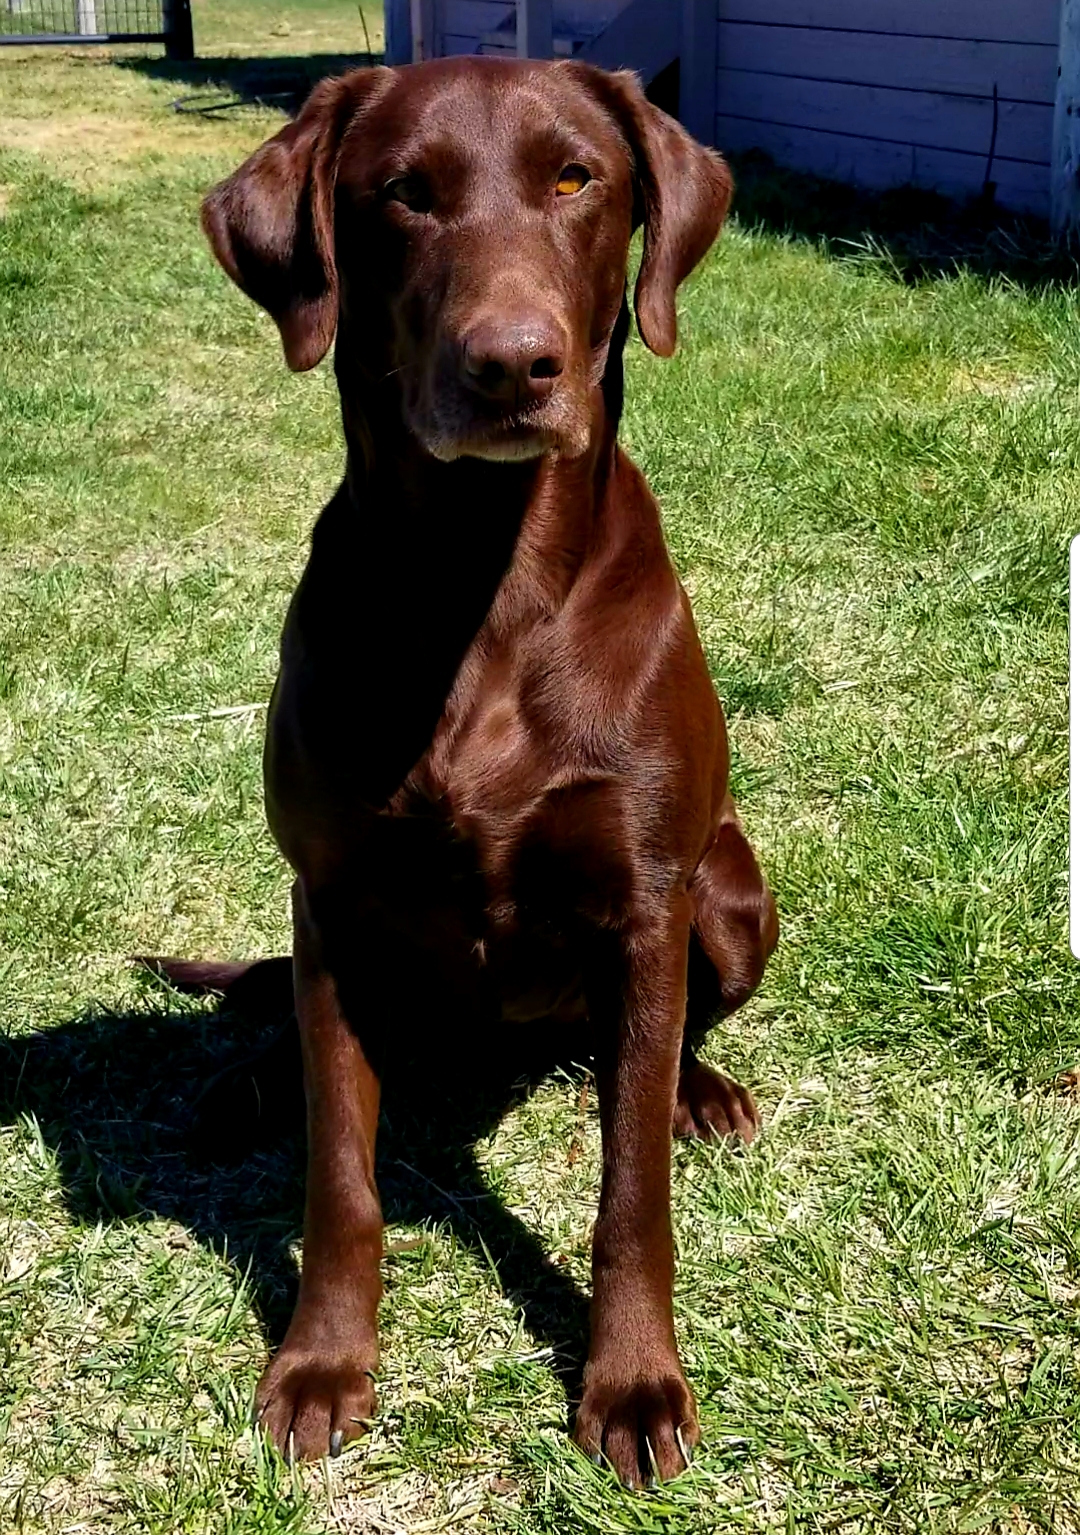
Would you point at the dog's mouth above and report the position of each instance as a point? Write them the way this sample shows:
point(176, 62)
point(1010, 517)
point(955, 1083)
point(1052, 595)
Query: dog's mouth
point(508, 442)
point(455, 428)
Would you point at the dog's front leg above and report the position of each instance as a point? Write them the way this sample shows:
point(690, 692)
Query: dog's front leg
point(318, 1391)
point(637, 1409)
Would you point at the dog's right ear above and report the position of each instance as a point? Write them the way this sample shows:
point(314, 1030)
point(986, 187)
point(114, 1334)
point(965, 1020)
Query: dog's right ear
point(271, 223)
point(682, 193)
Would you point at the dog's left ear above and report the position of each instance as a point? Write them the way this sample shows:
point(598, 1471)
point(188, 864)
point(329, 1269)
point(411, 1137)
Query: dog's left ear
point(271, 223)
point(682, 196)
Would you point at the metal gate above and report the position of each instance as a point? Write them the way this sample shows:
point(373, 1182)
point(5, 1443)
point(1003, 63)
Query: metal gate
point(99, 21)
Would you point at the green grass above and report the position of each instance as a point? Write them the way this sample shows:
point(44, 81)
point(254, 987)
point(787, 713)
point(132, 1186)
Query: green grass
point(868, 465)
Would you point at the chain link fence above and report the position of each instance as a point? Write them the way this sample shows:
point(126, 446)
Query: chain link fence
point(99, 21)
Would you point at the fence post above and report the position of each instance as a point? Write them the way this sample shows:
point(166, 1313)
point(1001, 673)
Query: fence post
point(179, 37)
point(535, 39)
point(1065, 154)
point(697, 69)
point(86, 18)
point(425, 30)
point(398, 21)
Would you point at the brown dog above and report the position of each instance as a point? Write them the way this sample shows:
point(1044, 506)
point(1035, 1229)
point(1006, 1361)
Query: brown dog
point(494, 758)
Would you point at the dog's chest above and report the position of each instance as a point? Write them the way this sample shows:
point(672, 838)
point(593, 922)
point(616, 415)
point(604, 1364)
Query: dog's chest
point(539, 838)
point(545, 843)
point(492, 754)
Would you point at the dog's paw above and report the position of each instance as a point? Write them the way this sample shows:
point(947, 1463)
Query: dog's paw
point(310, 1406)
point(645, 1427)
point(711, 1105)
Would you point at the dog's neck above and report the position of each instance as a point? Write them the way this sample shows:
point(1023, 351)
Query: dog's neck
point(416, 563)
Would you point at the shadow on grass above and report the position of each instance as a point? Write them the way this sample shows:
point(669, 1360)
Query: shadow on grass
point(915, 234)
point(217, 86)
point(117, 1099)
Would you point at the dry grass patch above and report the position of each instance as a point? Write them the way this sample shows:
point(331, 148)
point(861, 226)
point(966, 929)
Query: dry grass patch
point(101, 149)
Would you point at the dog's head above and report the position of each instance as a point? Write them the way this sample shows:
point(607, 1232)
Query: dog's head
point(464, 224)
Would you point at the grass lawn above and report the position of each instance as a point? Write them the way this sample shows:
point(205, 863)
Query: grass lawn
point(869, 468)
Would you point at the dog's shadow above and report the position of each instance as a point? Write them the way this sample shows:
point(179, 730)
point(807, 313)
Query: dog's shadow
point(118, 1099)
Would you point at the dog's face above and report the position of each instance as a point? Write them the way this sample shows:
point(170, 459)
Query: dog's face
point(493, 208)
point(464, 225)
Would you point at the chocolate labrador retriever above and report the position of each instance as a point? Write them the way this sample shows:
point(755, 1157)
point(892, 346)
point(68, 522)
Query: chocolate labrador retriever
point(494, 758)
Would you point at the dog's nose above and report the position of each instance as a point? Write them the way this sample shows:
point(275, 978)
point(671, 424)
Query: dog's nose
point(515, 362)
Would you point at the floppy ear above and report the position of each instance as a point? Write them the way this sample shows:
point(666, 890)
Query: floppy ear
point(271, 223)
point(683, 192)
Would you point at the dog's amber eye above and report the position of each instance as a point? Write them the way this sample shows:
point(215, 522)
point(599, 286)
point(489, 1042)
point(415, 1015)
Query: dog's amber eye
point(571, 179)
point(413, 191)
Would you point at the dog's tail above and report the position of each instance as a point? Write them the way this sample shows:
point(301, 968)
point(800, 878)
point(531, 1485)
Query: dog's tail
point(197, 976)
point(260, 987)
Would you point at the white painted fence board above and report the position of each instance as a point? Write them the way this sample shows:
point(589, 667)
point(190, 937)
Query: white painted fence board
point(1019, 21)
point(472, 26)
point(646, 35)
point(1023, 71)
point(697, 67)
point(425, 32)
point(398, 31)
point(901, 117)
point(1065, 155)
point(454, 44)
point(535, 29)
point(471, 18)
point(877, 165)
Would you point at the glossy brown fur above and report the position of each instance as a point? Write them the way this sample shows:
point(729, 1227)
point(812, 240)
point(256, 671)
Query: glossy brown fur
point(494, 759)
